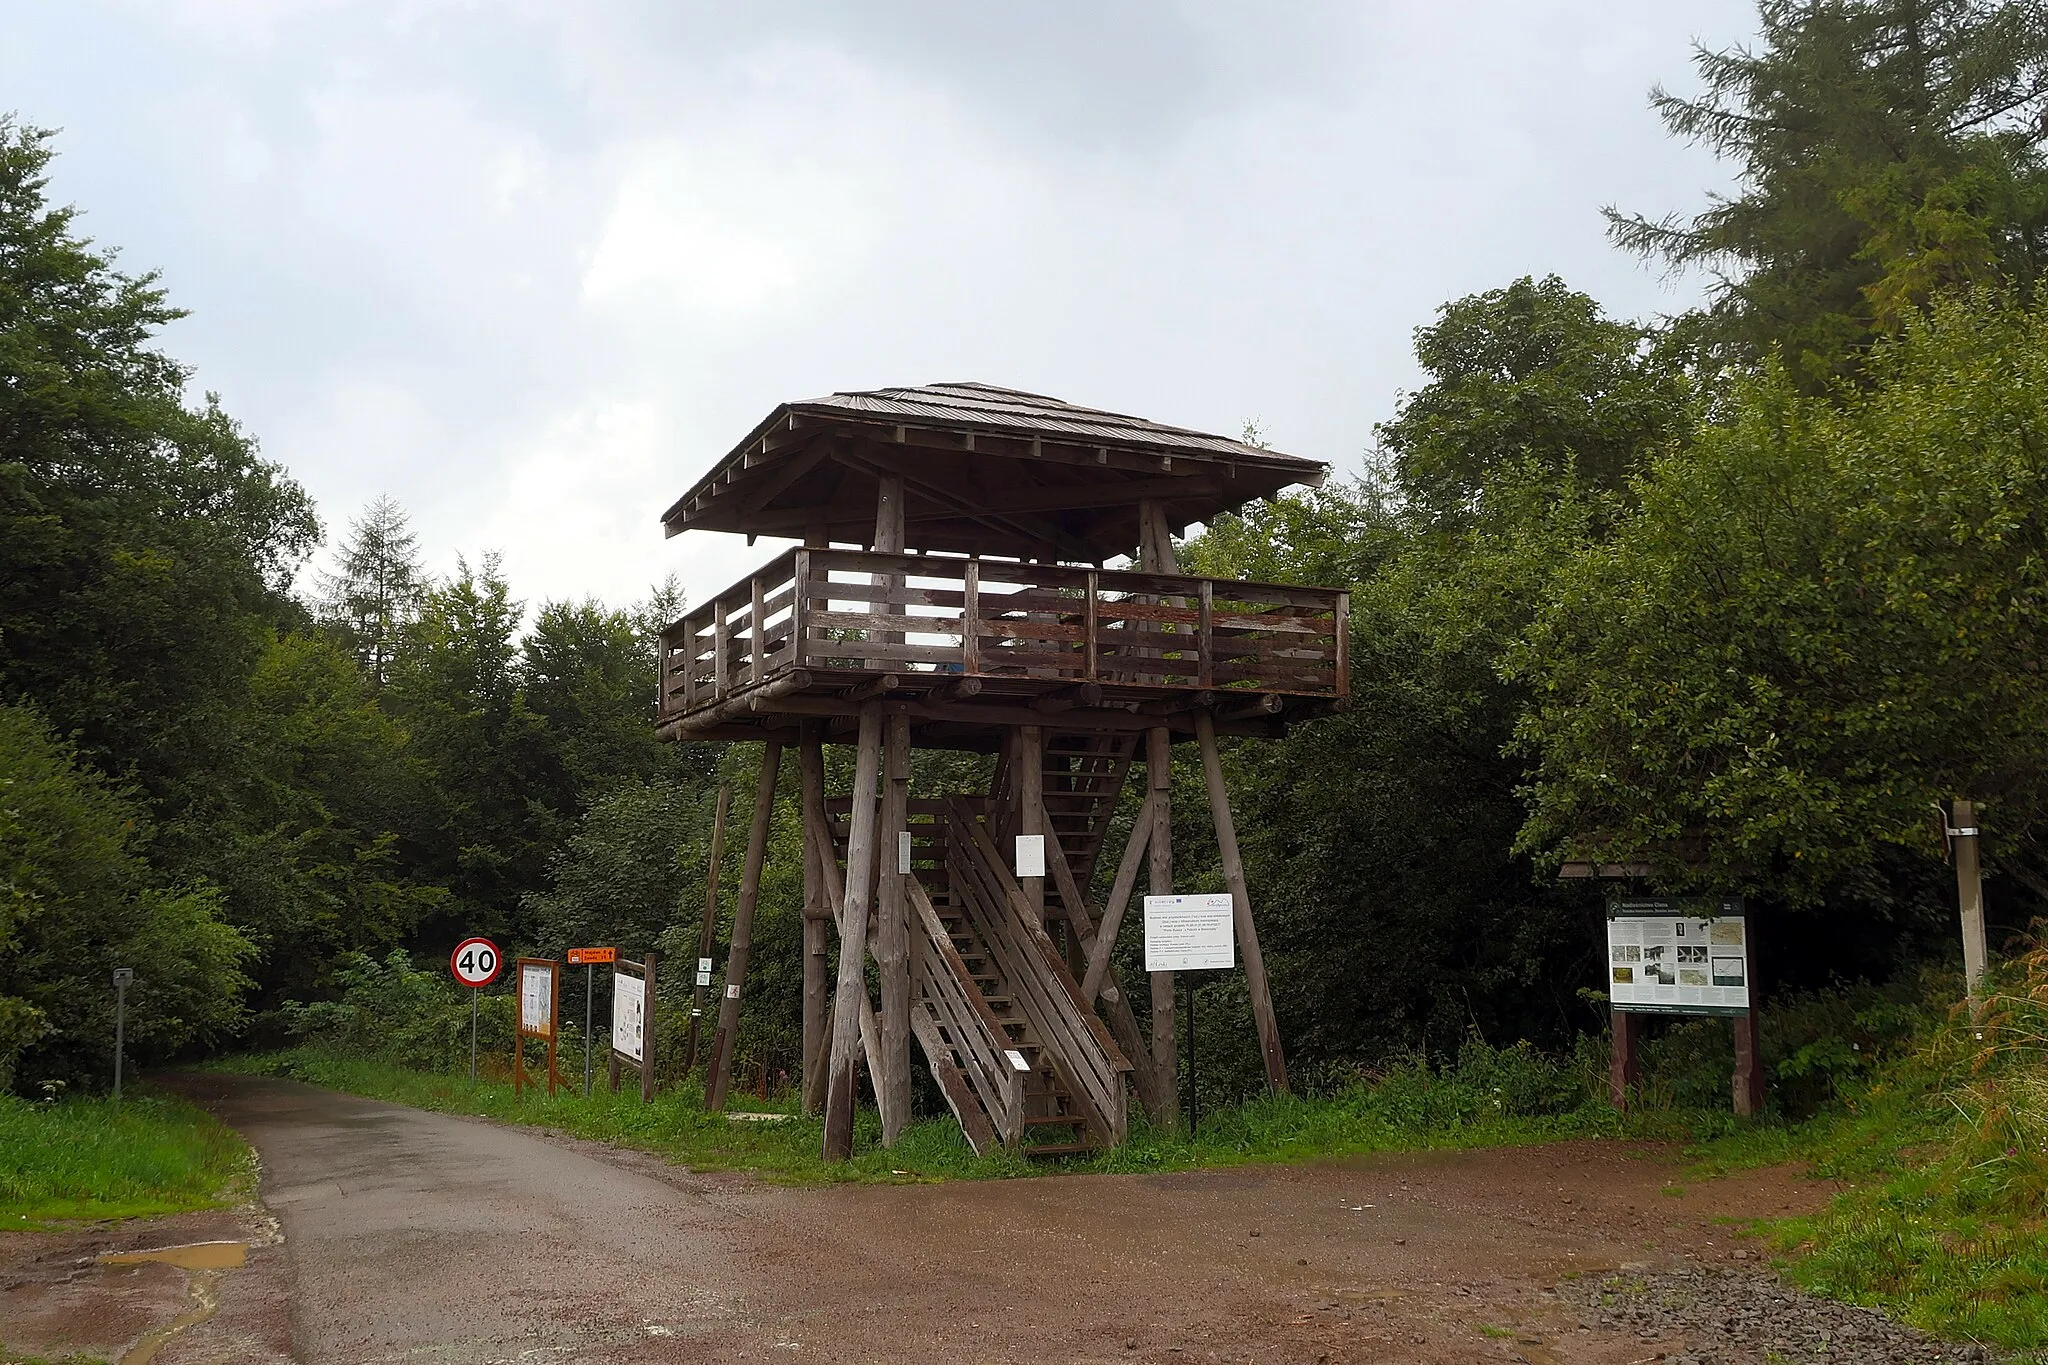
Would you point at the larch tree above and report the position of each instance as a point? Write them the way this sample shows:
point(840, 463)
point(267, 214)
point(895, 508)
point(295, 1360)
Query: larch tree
point(376, 586)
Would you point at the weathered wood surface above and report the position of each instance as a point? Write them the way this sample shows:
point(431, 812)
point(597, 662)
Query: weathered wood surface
point(1241, 908)
point(869, 611)
point(741, 948)
point(853, 933)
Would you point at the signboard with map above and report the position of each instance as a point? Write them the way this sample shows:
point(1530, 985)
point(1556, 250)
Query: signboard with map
point(1678, 955)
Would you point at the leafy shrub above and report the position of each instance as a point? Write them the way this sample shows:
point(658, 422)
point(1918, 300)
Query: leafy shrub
point(393, 1011)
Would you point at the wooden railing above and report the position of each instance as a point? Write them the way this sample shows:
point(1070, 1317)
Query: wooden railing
point(1074, 1040)
point(963, 1040)
point(859, 611)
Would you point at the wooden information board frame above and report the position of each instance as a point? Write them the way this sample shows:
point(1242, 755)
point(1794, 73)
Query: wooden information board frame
point(520, 1032)
point(645, 1065)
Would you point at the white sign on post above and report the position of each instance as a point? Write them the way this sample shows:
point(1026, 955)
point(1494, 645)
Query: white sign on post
point(1189, 933)
point(629, 1016)
point(1031, 855)
point(903, 850)
point(1677, 956)
point(537, 999)
point(703, 971)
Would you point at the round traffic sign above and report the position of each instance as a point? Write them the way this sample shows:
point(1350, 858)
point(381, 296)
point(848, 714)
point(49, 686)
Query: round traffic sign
point(475, 962)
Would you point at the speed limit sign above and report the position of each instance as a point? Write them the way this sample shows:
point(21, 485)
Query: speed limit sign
point(475, 962)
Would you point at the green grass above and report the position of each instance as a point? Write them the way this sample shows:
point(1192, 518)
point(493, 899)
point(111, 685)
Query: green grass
point(90, 1158)
point(1407, 1111)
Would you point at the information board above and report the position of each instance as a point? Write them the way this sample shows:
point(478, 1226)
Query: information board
point(537, 999)
point(629, 1016)
point(1678, 955)
point(1189, 933)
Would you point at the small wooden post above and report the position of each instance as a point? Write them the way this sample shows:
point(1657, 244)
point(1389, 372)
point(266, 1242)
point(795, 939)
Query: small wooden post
point(852, 988)
point(1241, 904)
point(647, 1044)
point(741, 947)
point(518, 1048)
point(708, 935)
point(1624, 1067)
point(892, 935)
point(1030, 773)
point(1970, 898)
point(554, 1020)
point(1749, 1070)
point(817, 912)
point(1159, 851)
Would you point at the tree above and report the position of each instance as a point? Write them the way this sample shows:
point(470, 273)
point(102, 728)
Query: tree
point(145, 548)
point(375, 587)
point(77, 901)
point(1888, 150)
point(1533, 373)
point(1826, 615)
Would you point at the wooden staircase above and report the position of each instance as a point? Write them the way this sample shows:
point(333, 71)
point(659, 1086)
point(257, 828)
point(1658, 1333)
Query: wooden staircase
point(995, 1005)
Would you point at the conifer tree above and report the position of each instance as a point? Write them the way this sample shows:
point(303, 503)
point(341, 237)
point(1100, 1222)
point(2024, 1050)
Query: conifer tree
point(375, 587)
point(1887, 150)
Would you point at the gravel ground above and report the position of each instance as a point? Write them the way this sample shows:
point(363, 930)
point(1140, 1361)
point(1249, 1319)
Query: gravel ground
point(1751, 1317)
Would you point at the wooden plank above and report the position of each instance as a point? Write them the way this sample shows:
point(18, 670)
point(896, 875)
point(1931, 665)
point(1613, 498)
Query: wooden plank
point(741, 947)
point(853, 930)
point(721, 652)
point(1159, 855)
point(817, 912)
point(801, 566)
point(759, 631)
point(980, 1134)
point(1241, 906)
point(892, 935)
point(1119, 897)
point(709, 928)
point(1343, 630)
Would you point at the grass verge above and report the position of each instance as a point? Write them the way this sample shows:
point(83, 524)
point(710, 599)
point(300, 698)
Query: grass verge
point(91, 1158)
point(1409, 1110)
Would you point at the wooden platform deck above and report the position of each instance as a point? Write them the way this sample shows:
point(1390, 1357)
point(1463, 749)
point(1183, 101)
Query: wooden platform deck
point(966, 646)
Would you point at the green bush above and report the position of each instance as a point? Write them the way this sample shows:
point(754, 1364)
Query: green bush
point(392, 1011)
point(76, 901)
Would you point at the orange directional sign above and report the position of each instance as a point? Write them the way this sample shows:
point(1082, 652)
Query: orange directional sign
point(584, 957)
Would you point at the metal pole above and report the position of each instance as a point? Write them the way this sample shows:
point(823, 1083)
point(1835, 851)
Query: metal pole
point(1970, 898)
point(121, 979)
point(472, 1034)
point(589, 975)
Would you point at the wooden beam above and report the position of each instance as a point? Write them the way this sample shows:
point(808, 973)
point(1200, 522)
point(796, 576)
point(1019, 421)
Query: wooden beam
point(1119, 897)
point(853, 934)
point(1029, 770)
point(817, 912)
point(1159, 849)
point(707, 935)
point(1241, 906)
point(892, 935)
point(741, 947)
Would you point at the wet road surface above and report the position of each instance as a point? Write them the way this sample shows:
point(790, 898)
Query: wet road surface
point(423, 1237)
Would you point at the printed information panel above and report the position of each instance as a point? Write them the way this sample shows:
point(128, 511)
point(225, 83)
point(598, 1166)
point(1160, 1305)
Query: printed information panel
point(537, 999)
point(1677, 955)
point(629, 1016)
point(1189, 933)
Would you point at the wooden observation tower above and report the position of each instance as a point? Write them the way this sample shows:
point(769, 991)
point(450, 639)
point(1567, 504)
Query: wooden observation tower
point(950, 593)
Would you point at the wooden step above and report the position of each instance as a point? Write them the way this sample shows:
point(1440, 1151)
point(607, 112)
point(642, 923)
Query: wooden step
point(1045, 1150)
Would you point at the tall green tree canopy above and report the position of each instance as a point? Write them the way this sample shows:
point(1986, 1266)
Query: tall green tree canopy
point(1886, 150)
point(1825, 616)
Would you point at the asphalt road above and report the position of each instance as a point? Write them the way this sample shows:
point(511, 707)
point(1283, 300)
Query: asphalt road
point(416, 1236)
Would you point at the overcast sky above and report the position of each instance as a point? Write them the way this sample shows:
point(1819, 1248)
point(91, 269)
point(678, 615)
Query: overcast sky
point(531, 267)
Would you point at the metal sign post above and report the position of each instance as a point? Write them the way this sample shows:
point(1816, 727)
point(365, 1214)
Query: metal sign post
point(589, 957)
point(122, 976)
point(475, 963)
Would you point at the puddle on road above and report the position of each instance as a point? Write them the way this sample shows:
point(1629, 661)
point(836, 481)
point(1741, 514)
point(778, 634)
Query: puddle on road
point(202, 1263)
point(194, 1256)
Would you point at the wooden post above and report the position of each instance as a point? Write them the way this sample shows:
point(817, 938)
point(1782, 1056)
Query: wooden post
point(1030, 775)
point(817, 911)
point(1624, 1067)
point(737, 952)
point(1749, 1070)
point(647, 1036)
point(554, 1020)
point(518, 1047)
point(1241, 906)
point(1159, 850)
point(853, 935)
point(892, 935)
point(710, 928)
point(1970, 899)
